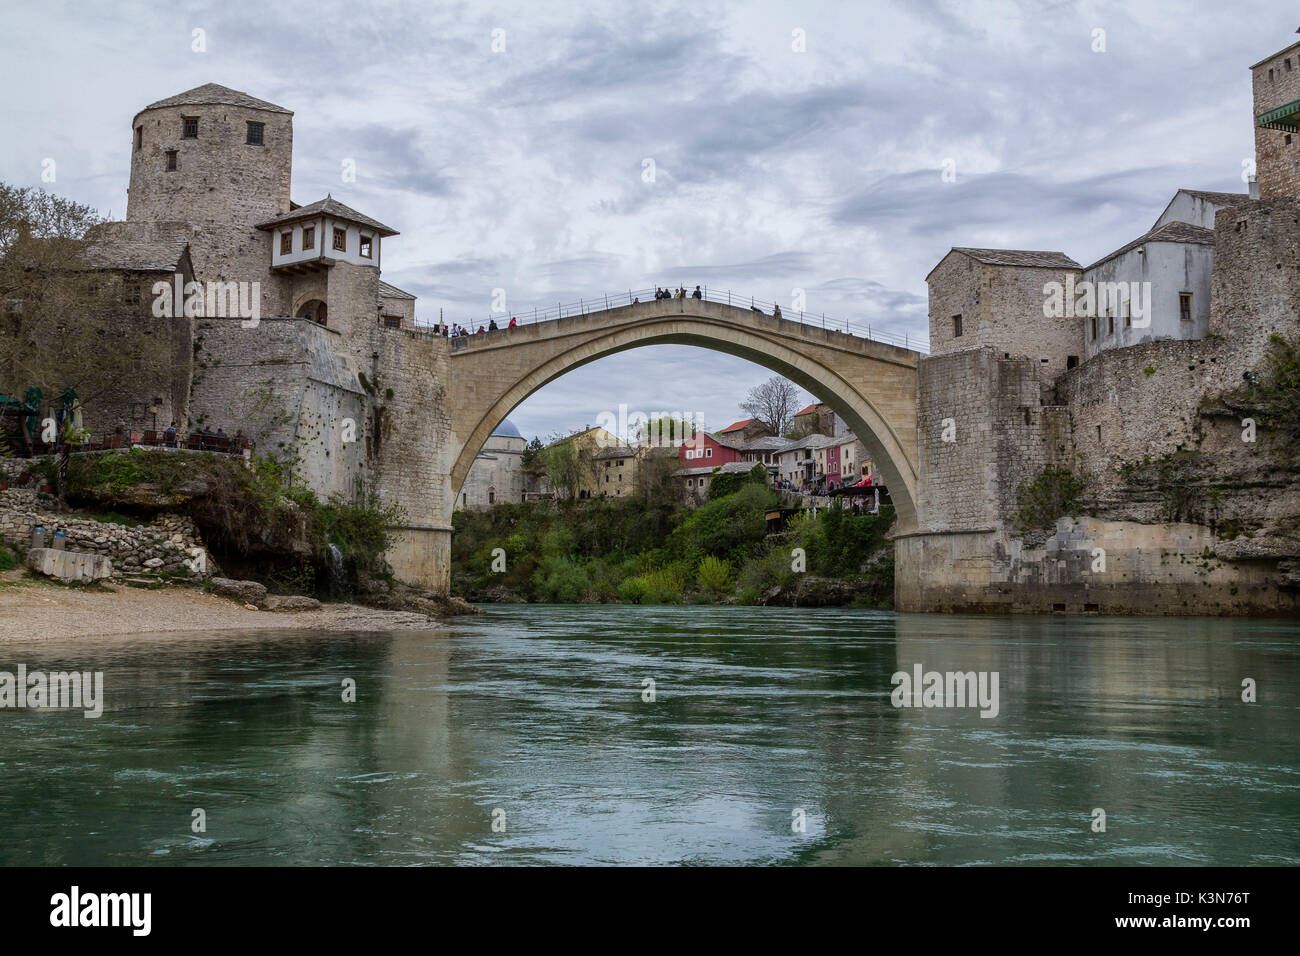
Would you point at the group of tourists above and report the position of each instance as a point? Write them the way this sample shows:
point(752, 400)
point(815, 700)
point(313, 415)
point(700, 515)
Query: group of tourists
point(452, 330)
point(206, 440)
point(679, 294)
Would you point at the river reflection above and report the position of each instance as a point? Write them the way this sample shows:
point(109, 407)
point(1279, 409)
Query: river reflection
point(538, 713)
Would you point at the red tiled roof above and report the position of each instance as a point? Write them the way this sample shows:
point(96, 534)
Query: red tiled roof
point(806, 411)
point(735, 426)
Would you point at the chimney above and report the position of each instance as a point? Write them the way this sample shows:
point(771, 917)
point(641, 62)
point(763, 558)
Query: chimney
point(1252, 181)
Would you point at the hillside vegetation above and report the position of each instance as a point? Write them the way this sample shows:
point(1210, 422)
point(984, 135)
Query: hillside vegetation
point(631, 551)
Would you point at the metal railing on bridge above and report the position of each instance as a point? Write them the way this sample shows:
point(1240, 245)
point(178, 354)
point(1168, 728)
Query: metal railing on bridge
point(620, 300)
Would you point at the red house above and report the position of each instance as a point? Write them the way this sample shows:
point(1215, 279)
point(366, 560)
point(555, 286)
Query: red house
point(832, 467)
point(711, 450)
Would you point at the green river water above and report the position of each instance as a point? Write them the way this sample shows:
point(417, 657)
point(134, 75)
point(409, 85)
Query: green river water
point(535, 717)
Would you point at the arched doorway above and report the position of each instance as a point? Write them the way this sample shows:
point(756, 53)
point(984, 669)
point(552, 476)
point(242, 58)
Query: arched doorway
point(315, 310)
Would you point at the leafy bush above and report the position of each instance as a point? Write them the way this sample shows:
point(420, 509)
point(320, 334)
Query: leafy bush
point(1054, 493)
point(1277, 395)
point(560, 579)
point(638, 553)
point(714, 575)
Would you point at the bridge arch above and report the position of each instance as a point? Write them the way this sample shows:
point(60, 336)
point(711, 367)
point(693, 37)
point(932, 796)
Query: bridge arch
point(871, 385)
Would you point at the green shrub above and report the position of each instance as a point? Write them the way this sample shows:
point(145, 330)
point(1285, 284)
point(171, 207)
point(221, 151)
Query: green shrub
point(714, 575)
point(560, 579)
point(8, 561)
point(1054, 493)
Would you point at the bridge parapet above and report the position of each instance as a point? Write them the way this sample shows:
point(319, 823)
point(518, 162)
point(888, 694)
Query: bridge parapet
point(616, 316)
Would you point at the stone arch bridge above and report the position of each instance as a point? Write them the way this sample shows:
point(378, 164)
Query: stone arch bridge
point(872, 385)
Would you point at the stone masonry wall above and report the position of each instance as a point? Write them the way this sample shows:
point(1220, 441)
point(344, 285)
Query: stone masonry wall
point(1002, 432)
point(292, 388)
point(1276, 82)
point(1159, 401)
point(1001, 308)
point(169, 544)
point(410, 437)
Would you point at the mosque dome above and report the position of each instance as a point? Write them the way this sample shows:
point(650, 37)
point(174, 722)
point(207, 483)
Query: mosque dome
point(506, 430)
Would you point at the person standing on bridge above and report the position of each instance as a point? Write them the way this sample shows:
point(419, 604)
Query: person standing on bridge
point(697, 294)
point(776, 309)
point(513, 323)
point(492, 325)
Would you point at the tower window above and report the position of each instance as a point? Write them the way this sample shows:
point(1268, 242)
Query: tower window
point(171, 160)
point(255, 134)
point(956, 326)
point(1185, 306)
point(365, 246)
point(189, 127)
point(1128, 316)
point(139, 138)
point(1110, 323)
point(309, 237)
point(286, 243)
point(1288, 139)
point(1093, 327)
point(341, 239)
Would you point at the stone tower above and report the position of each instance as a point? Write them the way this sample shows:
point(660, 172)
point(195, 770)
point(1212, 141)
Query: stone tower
point(1276, 86)
point(210, 164)
point(211, 154)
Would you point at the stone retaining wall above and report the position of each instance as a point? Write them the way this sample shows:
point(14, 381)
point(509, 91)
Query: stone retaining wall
point(168, 544)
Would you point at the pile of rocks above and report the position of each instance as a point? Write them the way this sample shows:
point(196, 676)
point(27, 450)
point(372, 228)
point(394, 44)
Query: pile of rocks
point(169, 544)
point(253, 594)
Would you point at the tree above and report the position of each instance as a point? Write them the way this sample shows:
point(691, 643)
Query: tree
point(78, 334)
point(773, 403)
point(569, 465)
point(654, 477)
point(532, 456)
point(664, 431)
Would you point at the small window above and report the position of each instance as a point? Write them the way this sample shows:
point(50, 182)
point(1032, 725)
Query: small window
point(492, 497)
point(1093, 328)
point(708, 453)
point(139, 138)
point(1128, 316)
point(365, 247)
point(392, 321)
point(1110, 324)
point(309, 237)
point(956, 326)
point(189, 127)
point(1185, 306)
point(341, 240)
point(1288, 139)
point(1287, 64)
point(171, 160)
point(286, 242)
point(255, 134)
point(1098, 433)
point(1071, 361)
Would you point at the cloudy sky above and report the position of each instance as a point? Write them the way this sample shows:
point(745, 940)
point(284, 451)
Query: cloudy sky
point(794, 145)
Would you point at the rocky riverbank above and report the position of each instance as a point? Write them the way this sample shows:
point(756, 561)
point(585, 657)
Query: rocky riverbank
point(33, 610)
